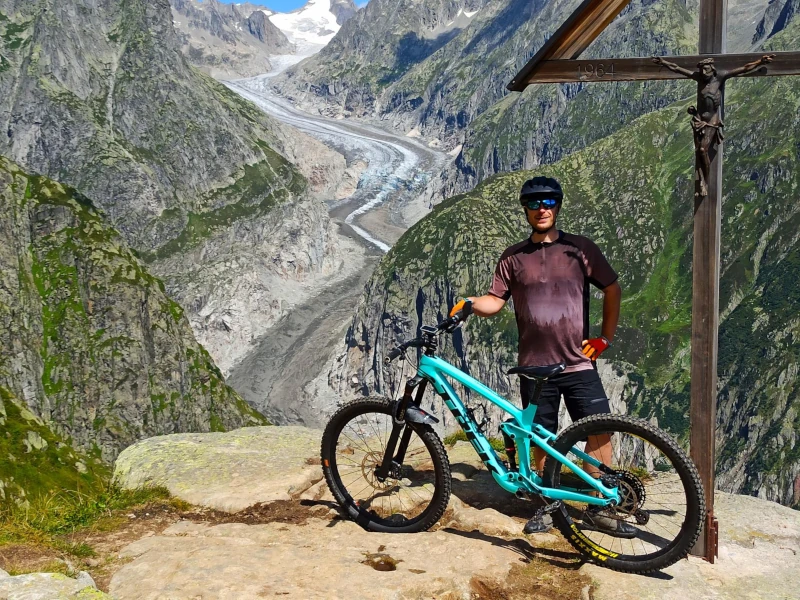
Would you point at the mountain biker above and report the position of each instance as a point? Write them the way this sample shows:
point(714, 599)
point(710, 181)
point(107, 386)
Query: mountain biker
point(548, 277)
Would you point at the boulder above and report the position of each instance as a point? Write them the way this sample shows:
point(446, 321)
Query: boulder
point(49, 586)
point(226, 471)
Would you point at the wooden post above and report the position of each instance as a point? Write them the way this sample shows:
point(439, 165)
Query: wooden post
point(705, 298)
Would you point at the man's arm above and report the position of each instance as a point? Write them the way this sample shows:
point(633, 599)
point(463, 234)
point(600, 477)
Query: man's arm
point(593, 348)
point(612, 297)
point(487, 305)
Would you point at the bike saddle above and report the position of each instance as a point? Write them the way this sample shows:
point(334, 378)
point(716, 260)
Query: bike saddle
point(538, 372)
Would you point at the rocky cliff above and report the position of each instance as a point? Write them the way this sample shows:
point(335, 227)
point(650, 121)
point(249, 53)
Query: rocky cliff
point(227, 40)
point(95, 355)
point(99, 96)
point(631, 193)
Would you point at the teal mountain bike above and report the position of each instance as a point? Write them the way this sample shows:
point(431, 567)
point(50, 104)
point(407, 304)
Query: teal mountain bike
point(388, 469)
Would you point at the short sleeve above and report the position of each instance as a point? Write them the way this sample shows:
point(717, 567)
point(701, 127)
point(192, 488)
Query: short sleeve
point(501, 283)
point(598, 270)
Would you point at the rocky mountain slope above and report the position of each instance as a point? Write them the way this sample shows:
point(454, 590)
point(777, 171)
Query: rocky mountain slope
point(451, 88)
point(99, 96)
point(631, 193)
point(227, 40)
point(230, 41)
point(95, 355)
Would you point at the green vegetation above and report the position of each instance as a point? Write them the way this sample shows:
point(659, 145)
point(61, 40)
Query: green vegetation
point(107, 337)
point(37, 462)
point(46, 521)
point(259, 189)
point(460, 436)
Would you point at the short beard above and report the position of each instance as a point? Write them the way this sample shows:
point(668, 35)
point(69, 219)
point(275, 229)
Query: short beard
point(544, 230)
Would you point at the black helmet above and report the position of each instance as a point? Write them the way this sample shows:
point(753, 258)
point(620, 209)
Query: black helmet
point(540, 187)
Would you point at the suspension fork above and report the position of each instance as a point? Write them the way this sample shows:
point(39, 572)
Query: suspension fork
point(390, 457)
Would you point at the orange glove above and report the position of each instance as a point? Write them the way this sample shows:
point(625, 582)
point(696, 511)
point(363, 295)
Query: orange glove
point(461, 305)
point(595, 347)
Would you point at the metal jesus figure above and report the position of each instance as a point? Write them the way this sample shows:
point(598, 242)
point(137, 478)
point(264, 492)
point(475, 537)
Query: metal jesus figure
point(707, 124)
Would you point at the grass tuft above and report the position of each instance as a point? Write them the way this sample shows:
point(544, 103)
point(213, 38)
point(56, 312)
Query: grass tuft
point(47, 518)
point(460, 436)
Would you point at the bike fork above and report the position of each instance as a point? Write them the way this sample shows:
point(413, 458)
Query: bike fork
point(392, 457)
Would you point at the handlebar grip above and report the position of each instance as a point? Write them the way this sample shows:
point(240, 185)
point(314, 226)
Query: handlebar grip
point(392, 355)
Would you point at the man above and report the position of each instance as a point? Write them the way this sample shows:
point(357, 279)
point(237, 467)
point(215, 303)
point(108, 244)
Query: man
point(548, 276)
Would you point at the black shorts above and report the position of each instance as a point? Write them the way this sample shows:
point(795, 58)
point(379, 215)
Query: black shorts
point(583, 395)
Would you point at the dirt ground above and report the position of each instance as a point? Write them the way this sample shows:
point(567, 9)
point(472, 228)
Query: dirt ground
point(98, 548)
point(544, 573)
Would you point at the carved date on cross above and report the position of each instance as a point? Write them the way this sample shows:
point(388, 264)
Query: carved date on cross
point(706, 122)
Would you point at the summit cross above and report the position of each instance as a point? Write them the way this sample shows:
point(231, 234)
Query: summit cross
point(555, 62)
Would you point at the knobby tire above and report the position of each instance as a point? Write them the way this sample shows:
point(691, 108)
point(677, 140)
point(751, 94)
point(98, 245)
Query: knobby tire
point(366, 518)
point(684, 468)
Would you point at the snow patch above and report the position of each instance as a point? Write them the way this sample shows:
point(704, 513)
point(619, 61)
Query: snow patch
point(311, 26)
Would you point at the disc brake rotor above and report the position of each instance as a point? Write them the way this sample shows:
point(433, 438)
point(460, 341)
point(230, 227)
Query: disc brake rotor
point(368, 465)
point(632, 493)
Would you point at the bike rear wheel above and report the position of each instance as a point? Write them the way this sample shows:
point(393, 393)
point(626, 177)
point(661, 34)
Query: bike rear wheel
point(660, 489)
point(414, 496)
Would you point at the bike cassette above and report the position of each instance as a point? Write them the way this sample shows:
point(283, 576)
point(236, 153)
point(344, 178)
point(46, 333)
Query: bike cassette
point(631, 491)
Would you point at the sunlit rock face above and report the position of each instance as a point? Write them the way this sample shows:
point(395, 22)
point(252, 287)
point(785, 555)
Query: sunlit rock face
point(228, 40)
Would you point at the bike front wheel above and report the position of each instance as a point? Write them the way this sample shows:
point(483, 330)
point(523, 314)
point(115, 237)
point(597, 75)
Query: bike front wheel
point(413, 497)
point(661, 498)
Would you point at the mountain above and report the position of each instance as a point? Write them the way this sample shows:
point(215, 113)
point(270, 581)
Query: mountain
point(227, 40)
point(98, 95)
point(375, 47)
point(631, 192)
point(230, 41)
point(343, 10)
point(313, 25)
point(95, 355)
point(447, 82)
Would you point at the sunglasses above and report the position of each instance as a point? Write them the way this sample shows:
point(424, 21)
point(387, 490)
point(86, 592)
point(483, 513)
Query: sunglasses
point(545, 203)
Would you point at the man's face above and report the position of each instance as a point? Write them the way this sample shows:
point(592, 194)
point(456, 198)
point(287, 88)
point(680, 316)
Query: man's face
point(543, 218)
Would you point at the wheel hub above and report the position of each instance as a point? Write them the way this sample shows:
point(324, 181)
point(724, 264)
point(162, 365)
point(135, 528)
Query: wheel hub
point(369, 466)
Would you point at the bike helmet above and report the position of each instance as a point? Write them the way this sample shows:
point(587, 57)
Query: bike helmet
point(540, 187)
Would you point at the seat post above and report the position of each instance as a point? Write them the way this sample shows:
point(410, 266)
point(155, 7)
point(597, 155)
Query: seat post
point(538, 390)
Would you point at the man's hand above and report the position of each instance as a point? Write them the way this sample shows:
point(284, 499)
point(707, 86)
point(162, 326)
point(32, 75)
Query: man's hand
point(594, 347)
point(464, 306)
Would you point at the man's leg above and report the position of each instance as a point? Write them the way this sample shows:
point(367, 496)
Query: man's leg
point(584, 396)
point(547, 417)
point(599, 447)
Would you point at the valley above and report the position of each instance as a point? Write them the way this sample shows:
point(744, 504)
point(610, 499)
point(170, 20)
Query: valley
point(396, 187)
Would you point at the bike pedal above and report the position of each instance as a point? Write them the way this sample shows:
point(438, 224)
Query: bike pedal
point(551, 508)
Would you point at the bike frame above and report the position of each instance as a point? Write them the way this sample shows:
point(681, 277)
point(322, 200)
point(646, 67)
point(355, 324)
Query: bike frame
point(521, 429)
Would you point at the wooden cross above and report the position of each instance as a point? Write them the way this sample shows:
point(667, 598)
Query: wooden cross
point(555, 63)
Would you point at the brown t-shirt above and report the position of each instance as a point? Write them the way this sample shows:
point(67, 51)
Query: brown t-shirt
point(549, 283)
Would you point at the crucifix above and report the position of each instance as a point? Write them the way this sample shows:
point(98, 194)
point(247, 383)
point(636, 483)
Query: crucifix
point(555, 62)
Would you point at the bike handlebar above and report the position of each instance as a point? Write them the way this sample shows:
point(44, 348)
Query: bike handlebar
point(448, 325)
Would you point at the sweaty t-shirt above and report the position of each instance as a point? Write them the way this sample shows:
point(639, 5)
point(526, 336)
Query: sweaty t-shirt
point(549, 283)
